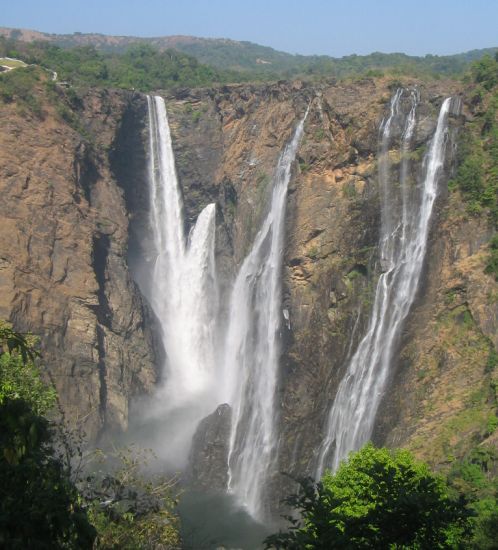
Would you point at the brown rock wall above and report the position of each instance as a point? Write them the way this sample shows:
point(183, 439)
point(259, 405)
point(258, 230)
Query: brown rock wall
point(63, 271)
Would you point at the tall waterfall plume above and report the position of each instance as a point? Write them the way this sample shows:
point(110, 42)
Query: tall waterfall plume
point(252, 349)
point(406, 213)
point(183, 295)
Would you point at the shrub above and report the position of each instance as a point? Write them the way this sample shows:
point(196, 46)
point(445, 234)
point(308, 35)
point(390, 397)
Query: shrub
point(377, 499)
point(492, 264)
point(39, 504)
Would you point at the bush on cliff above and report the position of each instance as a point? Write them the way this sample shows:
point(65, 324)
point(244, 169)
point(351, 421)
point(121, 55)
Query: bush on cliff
point(377, 499)
point(19, 85)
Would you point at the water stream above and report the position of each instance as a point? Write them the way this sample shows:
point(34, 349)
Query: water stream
point(183, 294)
point(406, 212)
point(252, 349)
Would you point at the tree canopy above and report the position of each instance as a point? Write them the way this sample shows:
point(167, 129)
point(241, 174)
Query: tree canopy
point(39, 504)
point(377, 499)
point(46, 503)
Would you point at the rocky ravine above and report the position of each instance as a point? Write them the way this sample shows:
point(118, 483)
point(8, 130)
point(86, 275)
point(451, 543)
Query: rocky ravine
point(64, 267)
point(227, 142)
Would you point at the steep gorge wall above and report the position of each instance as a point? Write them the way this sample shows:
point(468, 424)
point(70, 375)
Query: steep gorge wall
point(444, 401)
point(63, 269)
point(76, 221)
point(331, 258)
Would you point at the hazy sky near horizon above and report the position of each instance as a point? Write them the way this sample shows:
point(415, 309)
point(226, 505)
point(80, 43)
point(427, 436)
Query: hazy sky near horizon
point(333, 27)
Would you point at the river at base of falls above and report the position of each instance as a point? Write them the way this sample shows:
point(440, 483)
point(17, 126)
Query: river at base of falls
point(212, 521)
point(208, 520)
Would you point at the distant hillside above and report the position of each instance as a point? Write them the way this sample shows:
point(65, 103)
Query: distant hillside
point(261, 61)
point(218, 52)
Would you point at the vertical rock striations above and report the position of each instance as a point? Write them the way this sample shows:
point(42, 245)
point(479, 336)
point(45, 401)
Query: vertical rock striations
point(406, 215)
point(64, 273)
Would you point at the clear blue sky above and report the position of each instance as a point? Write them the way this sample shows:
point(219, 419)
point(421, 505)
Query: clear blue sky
point(333, 27)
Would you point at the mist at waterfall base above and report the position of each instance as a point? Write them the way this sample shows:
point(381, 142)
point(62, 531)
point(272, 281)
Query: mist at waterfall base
point(217, 520)
point(208, 362)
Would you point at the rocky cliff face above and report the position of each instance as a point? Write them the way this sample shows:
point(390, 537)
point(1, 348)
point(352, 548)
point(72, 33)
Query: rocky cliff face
point(76, 221)
point(443, 401)
point(227, 142)
point(63, 269)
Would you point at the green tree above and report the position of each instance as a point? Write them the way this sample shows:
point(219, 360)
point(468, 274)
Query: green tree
point(39, 505)
point(377, 499)
point(475, 475)
point(485, 71)
point(129, 509)
point(44, 503)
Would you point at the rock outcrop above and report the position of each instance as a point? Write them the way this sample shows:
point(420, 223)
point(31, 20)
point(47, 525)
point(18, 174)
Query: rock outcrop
point(208, 461)
point(63, 268)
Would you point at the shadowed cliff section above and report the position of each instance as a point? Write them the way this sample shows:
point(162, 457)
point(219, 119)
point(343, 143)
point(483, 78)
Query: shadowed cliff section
point(64, 274)
point(128, 163)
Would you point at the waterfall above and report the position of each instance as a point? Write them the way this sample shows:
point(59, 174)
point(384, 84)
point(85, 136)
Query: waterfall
point(252, 348)
point(406, 213)
point(183, 294)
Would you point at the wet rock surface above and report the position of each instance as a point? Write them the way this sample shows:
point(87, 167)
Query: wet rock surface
point(208, 461)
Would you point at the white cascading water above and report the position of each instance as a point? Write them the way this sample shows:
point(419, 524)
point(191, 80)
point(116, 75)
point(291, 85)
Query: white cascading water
point(403, 243)
point(252, 349)
point(183, 294)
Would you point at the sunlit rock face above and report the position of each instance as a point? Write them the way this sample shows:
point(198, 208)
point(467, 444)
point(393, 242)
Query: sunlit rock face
point(64, 273)
point(78, 217)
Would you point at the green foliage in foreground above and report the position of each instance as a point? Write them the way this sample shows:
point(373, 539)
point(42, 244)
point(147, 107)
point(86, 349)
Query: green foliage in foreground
point(476, 475)
point(39, 504)
point(377, 499)
point(44, 502)
point(139, 512)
